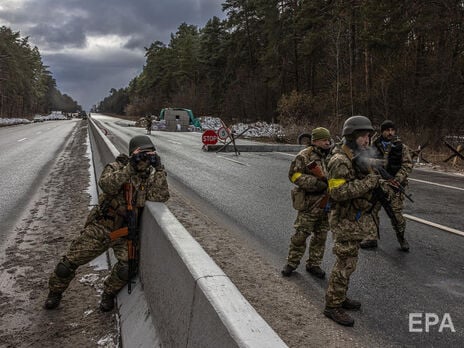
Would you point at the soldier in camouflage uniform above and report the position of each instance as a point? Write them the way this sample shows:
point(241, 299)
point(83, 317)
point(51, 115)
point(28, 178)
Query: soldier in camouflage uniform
point(399, 165)
point(349, 219)
point(310, 199)
point(143, 169)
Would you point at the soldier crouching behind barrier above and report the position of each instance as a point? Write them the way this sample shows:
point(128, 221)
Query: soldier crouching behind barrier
point(308, 172)
point(145, 177)
point(349, 219)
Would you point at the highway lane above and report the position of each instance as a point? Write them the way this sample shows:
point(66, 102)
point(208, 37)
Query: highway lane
point(26, 155)
point(252, 192)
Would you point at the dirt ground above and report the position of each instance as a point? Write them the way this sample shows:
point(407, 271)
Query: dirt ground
point(57, 214)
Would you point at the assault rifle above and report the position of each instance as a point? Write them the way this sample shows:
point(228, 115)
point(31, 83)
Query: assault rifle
point(392, 182)
point(131, 233)
point(132, 236)
point(379, 195)
point(370, 165)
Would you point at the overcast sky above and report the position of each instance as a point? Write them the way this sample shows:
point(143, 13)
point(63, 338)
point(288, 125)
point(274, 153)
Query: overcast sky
point(92, 46)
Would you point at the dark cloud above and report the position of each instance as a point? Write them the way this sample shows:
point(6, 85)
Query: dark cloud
point(64, 29)
point(53, 36)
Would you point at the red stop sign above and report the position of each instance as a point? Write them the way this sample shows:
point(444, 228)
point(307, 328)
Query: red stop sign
point(209, 137)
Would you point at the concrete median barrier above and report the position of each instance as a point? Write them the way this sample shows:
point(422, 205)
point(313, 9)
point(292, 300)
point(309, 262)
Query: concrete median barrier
point(182, 299)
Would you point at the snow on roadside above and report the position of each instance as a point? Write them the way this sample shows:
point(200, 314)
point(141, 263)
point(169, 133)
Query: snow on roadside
point(260, 129)
point(13, 121)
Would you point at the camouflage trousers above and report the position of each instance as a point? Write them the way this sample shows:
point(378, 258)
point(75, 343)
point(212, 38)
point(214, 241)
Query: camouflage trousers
point(93, 241)
point(307, 223)
point(397, 202)
point(346, 253)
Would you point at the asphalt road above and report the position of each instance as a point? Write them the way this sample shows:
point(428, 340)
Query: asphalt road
point(26, 155)
point(251, 194)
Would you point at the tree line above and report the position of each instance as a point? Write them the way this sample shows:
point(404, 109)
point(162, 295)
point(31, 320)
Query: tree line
point(311, 62)
point(27, 87)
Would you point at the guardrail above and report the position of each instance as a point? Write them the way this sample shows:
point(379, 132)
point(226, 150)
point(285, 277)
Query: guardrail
point(194, 303)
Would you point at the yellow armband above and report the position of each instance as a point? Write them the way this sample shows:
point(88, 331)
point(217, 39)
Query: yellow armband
point(334, 183)
point(295, 177)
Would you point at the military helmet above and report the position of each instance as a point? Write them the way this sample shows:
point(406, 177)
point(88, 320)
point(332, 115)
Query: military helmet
point(357, 123)
point(141, 141)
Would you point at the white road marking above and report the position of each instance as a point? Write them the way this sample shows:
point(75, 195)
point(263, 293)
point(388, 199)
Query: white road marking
point(22, 140)
point(434, 183)
point(433, 224)
point(230, 159)
point(174, 142)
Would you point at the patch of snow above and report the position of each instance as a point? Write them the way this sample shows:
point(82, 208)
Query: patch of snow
point(89, 279)
point(100, 263)
point(92, 189)
point(13, 121)
point(106, 341)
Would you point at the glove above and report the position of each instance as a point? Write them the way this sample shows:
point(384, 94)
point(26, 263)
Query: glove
point(320, 185)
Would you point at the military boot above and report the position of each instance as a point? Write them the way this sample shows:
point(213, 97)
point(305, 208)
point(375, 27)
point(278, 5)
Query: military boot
point(287, 270)
point(339, 316)
point(368, 244)
point(316, 271)
point(53, 300)
point(106, 302)
point(404, 245)
point(351, 304)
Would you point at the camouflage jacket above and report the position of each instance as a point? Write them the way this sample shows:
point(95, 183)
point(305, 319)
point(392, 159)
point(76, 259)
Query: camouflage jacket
point(397, 158)
point(350, 192)
point(112, 208)
point(310, 190)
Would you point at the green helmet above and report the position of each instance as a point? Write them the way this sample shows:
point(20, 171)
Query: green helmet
point(357, 123)
point(141, 141)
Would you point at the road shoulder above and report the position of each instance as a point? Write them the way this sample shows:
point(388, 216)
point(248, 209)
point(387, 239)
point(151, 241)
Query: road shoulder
point(40, 238)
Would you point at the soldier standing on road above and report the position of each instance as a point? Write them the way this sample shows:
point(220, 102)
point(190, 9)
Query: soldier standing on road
point(349, 219)
point(149, 124)
point(310, 198)
point(389, 147)
point(144, 171)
